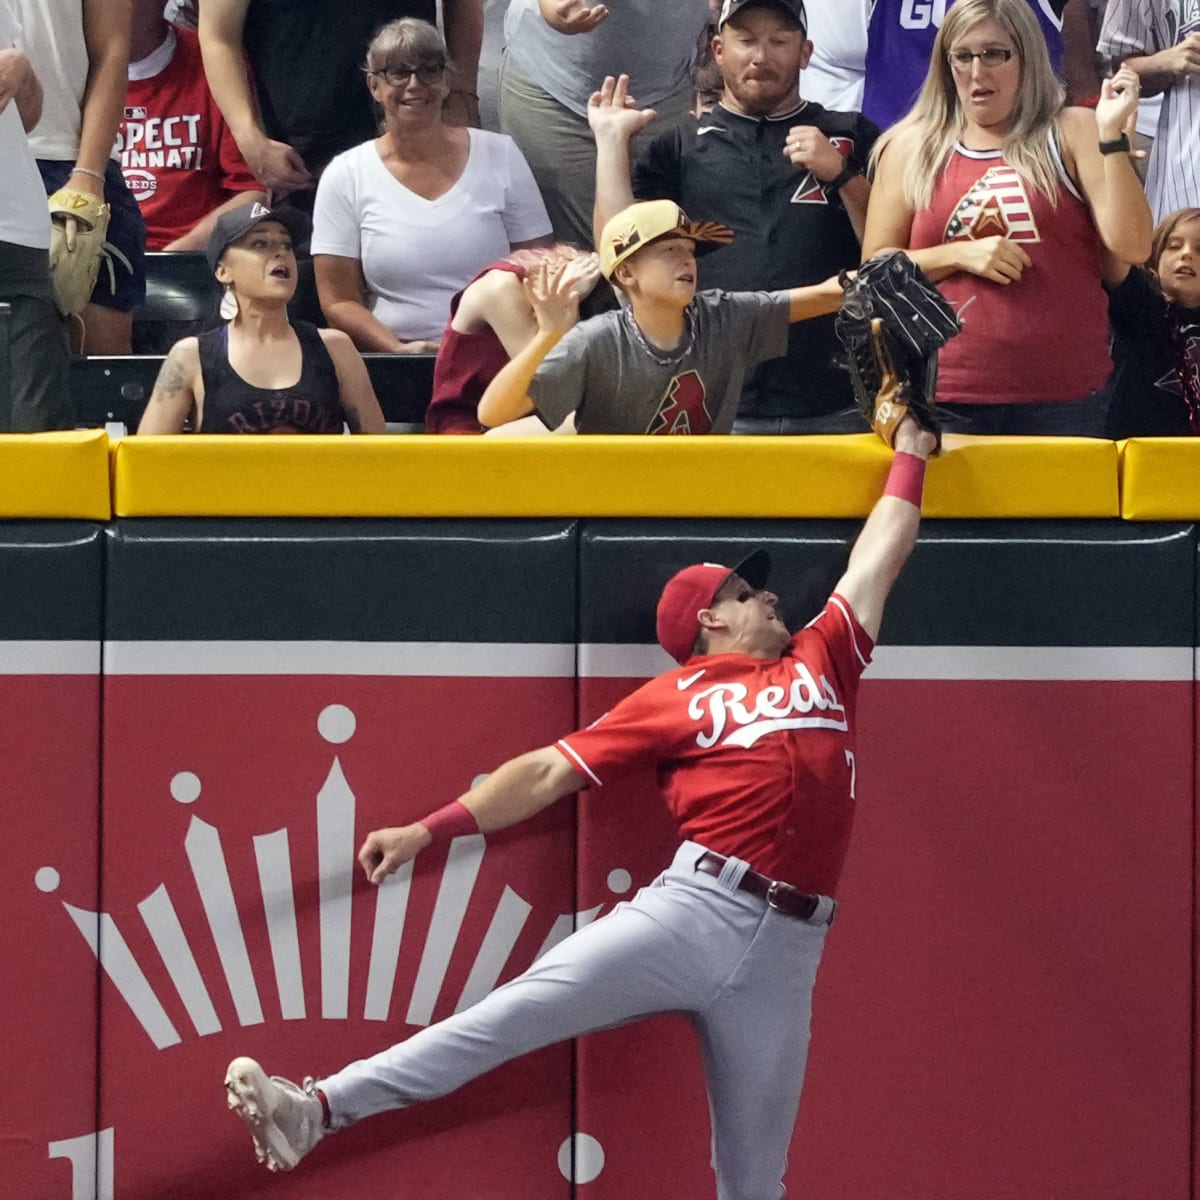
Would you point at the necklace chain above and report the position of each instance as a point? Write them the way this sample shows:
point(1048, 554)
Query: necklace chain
point(664, 358)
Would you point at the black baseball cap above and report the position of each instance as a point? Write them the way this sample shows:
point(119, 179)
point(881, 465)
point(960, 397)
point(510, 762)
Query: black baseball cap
point(239, 221)
point(793, 8)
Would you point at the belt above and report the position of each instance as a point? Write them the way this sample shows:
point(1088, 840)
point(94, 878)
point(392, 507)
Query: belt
point(780, 896)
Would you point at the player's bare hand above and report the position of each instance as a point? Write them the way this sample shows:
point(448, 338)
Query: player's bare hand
point(278, 167)
point(806, 146)
point(551, 293)
point(994, 258)
point(1116, 110)
point(912, 438)
point(1184, 57)
point(572, 16)
point(613, 112)
point(385, 850)
point(415, 348)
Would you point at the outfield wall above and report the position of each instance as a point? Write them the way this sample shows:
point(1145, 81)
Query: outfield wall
point(212, 695)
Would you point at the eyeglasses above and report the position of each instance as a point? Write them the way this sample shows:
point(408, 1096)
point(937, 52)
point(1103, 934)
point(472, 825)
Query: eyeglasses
point(427, 73)
point(993, 56)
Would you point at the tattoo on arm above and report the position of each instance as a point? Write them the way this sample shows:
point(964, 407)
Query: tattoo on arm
point(170, 381)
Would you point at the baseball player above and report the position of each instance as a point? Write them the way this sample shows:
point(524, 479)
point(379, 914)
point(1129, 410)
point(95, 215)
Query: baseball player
point(753, 738)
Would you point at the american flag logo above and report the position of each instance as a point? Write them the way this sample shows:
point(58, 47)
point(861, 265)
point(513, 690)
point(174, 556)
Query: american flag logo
point(996, 204)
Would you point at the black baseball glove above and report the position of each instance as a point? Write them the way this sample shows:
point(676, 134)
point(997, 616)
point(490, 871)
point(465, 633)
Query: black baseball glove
point(892, 322)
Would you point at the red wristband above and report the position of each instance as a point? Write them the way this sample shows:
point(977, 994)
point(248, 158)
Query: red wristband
point(906, 479)
point(450, 821)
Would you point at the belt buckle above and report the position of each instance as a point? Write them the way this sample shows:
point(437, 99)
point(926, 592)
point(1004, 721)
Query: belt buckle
point(777, 887)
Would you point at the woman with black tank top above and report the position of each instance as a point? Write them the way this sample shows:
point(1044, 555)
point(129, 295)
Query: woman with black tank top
point(260, 372)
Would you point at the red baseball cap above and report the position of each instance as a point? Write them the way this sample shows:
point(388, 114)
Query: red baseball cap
point(693, 588)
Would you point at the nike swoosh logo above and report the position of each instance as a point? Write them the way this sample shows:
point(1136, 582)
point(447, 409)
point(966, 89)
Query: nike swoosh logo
point(684, 684)
point(708, 129)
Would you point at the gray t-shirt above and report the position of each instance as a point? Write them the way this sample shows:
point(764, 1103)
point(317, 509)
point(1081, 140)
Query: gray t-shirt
point(652, 42)
point(614, 382)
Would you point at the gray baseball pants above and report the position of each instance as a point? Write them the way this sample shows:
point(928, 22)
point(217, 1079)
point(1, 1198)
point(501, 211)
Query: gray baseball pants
point(689, 943)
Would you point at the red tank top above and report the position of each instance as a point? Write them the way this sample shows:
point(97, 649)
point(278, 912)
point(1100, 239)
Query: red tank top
point(1044, 337)
point(466, 364)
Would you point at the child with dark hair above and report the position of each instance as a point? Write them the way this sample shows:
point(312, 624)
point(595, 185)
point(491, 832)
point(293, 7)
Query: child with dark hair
point(1155, 314)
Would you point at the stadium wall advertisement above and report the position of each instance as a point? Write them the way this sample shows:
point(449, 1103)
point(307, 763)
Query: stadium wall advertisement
point(205, 716)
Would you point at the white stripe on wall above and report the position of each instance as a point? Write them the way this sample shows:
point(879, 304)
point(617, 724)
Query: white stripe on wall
point(543, 660)
point(1086, 663)
point(49, 658)
point(558, 660)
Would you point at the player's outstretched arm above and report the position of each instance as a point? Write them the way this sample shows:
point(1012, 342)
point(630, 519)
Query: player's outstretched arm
point(513, 792)
point(890, 532)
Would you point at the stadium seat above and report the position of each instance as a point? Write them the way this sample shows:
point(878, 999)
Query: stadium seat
point(181, 300)
point(403, 384)
point(108, 389)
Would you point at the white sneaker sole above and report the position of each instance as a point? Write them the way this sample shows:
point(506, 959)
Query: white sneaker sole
point(251, 1094)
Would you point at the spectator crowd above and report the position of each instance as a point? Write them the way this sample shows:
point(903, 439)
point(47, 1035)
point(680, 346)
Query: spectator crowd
point(652, 237)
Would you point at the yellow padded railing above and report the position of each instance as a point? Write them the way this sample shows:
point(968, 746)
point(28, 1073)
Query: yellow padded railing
point(1160, 479)
point(63, 476)
point(72, 476)
point(420, 476)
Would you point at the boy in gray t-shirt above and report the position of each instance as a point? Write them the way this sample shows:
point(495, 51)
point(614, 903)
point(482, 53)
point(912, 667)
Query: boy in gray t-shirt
point(673, 361)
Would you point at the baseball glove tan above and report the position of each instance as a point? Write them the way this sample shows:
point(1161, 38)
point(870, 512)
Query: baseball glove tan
point(77, 246)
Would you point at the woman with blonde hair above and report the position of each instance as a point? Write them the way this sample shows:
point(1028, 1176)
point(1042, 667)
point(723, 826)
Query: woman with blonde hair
point(1019, 208)
point(404, 221)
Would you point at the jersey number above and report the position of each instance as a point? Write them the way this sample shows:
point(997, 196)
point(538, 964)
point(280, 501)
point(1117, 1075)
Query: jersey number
point(853, 771)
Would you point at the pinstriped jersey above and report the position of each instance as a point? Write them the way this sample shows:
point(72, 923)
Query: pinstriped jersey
point(900, 36)
point(754, 757)
point(1133, 28)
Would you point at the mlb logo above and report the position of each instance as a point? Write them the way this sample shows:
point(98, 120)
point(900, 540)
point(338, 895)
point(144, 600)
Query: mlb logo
point(135, 113)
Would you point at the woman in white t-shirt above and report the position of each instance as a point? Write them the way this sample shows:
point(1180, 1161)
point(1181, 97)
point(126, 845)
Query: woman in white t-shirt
point(403, 222)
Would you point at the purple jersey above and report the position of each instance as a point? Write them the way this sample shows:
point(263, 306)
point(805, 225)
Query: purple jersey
point(900, 37)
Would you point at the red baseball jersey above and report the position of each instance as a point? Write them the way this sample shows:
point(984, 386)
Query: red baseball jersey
point(755, 757)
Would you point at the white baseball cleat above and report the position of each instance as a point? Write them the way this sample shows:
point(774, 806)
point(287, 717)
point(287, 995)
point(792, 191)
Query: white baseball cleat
point(286, 1121)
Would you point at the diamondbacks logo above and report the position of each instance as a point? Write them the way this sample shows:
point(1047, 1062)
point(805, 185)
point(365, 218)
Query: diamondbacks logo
point(682, 408)
point(811, 190)
point(996, 205)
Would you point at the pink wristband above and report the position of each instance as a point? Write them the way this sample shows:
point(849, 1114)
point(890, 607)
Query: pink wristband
point(450, 821)
point(906, 479)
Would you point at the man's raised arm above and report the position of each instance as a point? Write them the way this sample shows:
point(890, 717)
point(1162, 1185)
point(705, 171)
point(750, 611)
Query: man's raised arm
point(890, 532)
point(613, 123)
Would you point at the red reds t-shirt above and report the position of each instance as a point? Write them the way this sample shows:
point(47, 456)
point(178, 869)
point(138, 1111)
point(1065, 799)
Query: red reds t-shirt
point(177, 154)
point(755, 757)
